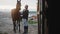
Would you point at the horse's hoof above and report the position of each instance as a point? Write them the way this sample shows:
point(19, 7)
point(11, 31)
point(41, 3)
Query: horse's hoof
point(16, 27)
point(19, 33)
point(14, 32)
point(25, 33)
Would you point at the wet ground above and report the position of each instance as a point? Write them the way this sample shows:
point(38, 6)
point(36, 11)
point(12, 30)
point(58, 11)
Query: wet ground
point(6, 25)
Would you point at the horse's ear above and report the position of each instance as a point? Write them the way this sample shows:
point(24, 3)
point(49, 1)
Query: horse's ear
point(18, 1)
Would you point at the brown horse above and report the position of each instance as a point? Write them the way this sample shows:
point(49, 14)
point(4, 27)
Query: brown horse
point(15, 14)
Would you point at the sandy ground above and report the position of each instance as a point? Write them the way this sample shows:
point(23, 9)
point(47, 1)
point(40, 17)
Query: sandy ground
point(6, 25)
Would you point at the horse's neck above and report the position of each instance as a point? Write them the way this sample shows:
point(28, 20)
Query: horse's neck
point(14, 11)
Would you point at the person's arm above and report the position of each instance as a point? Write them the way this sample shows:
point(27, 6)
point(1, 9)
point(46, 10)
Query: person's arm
point(28, 14)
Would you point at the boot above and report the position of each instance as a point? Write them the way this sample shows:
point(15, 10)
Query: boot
point(25, 30)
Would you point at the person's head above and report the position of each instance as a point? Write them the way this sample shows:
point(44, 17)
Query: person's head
point(18, 6)
point(26, 7)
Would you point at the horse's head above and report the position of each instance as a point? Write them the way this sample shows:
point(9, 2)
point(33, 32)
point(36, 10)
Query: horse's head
point(18, 5)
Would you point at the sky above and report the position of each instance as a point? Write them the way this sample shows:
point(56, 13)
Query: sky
point(10, 4)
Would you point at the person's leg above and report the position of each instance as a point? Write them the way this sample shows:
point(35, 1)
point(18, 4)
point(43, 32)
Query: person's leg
point(25, 26)
point(25, 29)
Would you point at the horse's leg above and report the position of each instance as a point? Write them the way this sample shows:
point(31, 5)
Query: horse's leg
point(14, 25)
point(19, 25)
point(18, 22)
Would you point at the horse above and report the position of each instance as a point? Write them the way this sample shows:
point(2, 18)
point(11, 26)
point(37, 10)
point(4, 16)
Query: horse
point(15, 14)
